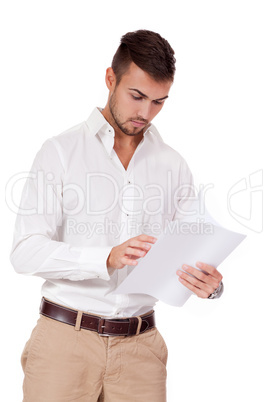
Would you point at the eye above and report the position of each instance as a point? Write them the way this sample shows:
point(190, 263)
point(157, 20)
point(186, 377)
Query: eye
point(158, 102)
point(136, 97)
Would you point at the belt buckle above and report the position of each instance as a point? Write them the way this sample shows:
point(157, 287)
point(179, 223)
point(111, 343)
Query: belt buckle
point(101, 326)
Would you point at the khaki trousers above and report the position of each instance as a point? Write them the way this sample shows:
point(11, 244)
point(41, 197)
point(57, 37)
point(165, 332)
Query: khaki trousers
point(63, 364)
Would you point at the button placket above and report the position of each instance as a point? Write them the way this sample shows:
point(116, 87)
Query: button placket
point(126, 215)
point(127, 209)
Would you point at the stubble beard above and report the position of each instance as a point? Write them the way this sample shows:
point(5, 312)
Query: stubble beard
point(118, 123)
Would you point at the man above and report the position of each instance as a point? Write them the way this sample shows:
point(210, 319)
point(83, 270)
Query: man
point(90, 209)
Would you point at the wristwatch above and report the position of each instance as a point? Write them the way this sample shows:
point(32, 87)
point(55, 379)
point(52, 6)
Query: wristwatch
point(217, 292)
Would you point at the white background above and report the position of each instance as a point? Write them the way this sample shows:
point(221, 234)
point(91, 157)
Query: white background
point(54, 55)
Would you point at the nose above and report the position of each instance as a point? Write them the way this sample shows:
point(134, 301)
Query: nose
point(145, 110)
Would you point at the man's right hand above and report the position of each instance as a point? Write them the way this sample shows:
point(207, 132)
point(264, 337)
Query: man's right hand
point(128, 252)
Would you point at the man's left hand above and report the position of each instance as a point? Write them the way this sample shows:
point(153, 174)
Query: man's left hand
point(203, 283)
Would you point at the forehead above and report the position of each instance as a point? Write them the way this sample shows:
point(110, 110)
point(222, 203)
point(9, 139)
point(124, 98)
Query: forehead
point(136, 78)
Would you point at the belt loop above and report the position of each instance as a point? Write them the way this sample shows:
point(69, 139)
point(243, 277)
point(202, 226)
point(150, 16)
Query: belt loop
point(78, 321)
point(139, 325)
point(41, 304)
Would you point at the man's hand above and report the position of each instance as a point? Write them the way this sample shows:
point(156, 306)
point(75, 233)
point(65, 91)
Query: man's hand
point(203, 282)
point(128, 252)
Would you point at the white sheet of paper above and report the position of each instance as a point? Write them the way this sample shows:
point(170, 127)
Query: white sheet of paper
point(155, 273)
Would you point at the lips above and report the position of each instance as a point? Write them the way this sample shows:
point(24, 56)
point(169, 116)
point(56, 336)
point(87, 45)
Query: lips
point(138, 123)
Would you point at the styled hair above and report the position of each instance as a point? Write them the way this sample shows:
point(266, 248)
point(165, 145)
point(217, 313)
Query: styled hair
point(149, 51)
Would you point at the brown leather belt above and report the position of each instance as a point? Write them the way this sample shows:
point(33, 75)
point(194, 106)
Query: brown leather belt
point(103, 326)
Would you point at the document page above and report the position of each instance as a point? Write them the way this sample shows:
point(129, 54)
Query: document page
point(183, 243)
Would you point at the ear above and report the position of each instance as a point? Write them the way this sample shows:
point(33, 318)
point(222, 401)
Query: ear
point(110, 79)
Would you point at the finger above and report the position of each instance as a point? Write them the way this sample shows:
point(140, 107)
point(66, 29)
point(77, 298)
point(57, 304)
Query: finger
point(139, 244)
point(135, 251)
point(143, 238)
point(202, 276)
point(199, 292)
point(196, 283)
point(126, 260)
point(210, 270)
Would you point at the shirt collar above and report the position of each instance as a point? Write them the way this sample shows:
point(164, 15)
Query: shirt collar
point(96, 122)
point(98, 125)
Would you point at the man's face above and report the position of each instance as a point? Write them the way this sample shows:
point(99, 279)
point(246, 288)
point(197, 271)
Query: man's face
point(136, 100)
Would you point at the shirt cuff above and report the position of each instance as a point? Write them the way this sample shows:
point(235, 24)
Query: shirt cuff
point(93, 263)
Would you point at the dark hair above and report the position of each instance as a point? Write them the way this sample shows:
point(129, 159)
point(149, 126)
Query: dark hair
point(149, 51)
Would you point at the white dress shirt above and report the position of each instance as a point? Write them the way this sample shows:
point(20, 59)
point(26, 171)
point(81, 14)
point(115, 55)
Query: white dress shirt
point(79, 201)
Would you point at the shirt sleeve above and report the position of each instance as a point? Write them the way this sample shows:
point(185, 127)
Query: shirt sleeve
point(37, 249)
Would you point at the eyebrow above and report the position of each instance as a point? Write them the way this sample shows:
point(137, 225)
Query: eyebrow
point(145, 96)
